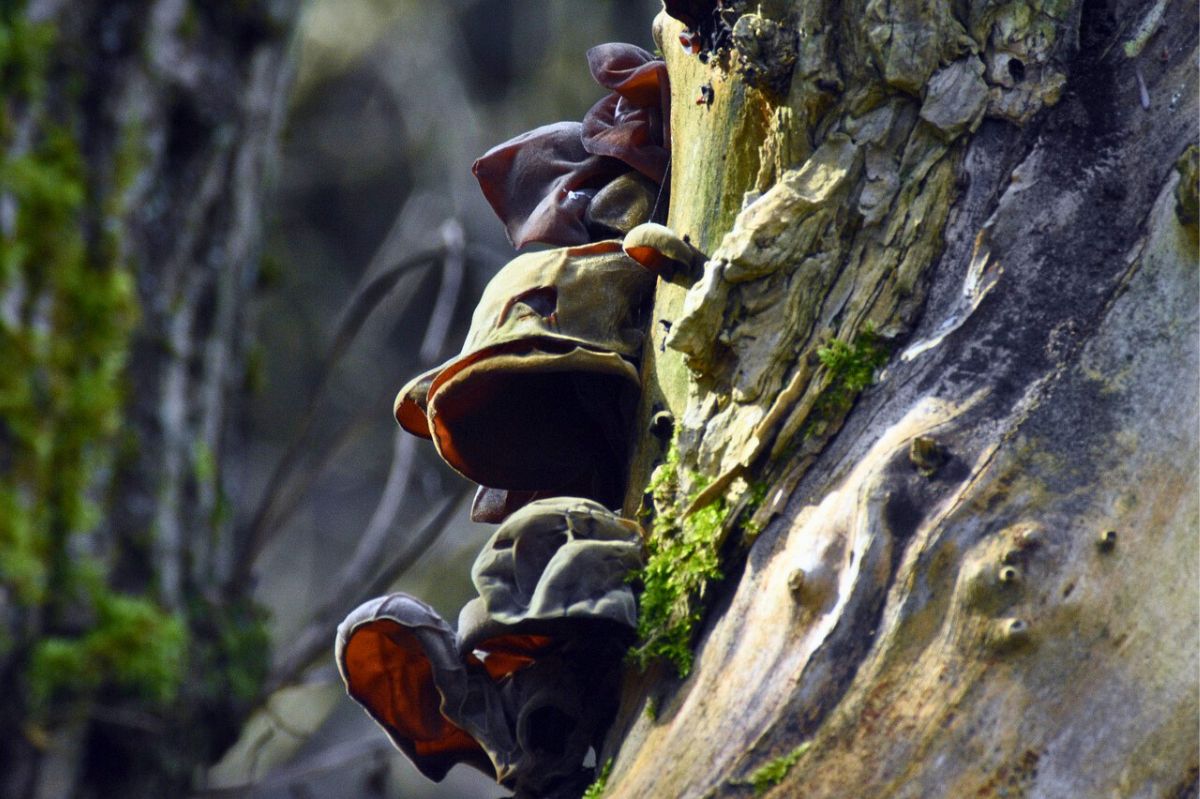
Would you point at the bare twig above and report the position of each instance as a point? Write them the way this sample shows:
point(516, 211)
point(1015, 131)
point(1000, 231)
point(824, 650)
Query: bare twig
point(453, 272)
point(407, 558)
point(298, 486)
point(374, 538)
point(334, 758)
point(273, 510)
point(358, 310)
point(316, 638)
point(361, 576)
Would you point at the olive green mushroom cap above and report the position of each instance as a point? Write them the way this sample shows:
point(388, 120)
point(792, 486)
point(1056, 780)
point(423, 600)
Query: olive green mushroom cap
point(554, 564)
point(536, 398)
point(536, 654)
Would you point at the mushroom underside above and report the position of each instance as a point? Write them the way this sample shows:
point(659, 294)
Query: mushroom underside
point(556, 431)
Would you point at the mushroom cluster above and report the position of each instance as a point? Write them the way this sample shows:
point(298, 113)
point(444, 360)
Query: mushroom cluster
point(570, 183)
point(536, 409)
point(528, 683)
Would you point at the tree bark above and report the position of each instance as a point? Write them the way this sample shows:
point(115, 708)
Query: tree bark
point(135, 139)
point(976, 576)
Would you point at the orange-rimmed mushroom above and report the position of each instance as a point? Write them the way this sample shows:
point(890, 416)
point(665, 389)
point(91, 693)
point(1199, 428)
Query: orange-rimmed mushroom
point(399, 661)
point(662, 250)
point(540, 398)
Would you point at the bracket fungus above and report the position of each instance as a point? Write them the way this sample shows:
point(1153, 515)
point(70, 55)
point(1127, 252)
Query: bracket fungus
point(536, 409)
point(530, 682)
point(540, 398)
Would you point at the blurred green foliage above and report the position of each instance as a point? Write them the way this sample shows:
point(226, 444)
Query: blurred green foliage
point(131, 646)
point(69, 309)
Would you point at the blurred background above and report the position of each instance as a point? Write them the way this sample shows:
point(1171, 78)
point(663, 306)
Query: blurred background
point(392, 100)
point(229, 233)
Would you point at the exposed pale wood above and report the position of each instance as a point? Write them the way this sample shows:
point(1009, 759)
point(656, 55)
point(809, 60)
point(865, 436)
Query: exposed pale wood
point(1011, 231)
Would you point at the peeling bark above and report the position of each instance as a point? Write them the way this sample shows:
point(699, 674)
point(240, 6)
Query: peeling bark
point(991, 190)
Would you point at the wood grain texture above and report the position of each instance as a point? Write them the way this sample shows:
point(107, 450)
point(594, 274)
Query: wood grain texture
point(1011, 234)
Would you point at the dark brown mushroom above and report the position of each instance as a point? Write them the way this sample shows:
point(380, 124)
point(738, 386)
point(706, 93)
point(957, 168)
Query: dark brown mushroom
point(632, 123)
point(540, 183)
point(619, 129)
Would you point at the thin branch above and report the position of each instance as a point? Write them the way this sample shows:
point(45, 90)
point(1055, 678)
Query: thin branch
point(316, 638)
point(298, 486)
point(374, 538)
point(348, 588)
point(453, 272)
point(358, 310)
point(361, 576)
point(457, 251)
point(426, 537)
point(334, 758)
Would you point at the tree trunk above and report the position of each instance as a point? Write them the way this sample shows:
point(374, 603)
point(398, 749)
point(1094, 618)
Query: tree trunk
point(935, 407)
point(134, 137)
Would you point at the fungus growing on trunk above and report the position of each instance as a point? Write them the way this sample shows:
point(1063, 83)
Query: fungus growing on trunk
point(542, 183)
point(662, 251)
point(530, 682)
point(553, 559)
point(399, 660)
point(631, 124)
point(539, 400)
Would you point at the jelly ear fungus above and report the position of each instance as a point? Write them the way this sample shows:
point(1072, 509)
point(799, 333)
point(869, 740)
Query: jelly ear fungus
point(528, 684)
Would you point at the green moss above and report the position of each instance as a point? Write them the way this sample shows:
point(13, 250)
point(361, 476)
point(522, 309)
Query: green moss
point(204, 463)
point(682, 559)
point(1187, 191)
point(24, 57)
point(773, 772)
point(754, 501)
point(256, 370)
point(271, 270)
point(852, 366)
point(189, 24)
point(69, 311)
point(597, 788)
point(230, 651)
point(132, 646)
